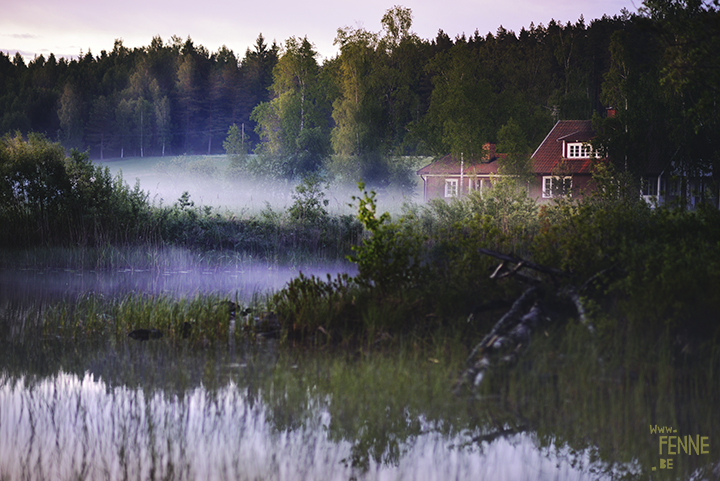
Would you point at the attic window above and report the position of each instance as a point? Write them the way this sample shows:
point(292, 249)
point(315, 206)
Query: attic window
point(580, 150)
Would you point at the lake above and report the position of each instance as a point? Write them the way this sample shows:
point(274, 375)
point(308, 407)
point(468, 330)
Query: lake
point(166, 409)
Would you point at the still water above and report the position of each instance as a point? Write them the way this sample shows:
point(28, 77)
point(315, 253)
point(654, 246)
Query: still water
point(252, 424)
point(155, 411)
point(242, 280)
point(167, 410)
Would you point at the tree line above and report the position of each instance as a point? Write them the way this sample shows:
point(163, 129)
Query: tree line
point(170, 97)
point(389, 93)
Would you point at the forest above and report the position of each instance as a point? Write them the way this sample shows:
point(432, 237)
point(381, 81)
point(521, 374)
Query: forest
point(389, 93)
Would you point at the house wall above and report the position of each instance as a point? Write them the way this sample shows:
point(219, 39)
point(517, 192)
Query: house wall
point(435, 188)
point(580, 183)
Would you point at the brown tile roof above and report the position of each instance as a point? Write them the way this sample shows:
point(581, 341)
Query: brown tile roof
point(448, 165)
point(549, 154)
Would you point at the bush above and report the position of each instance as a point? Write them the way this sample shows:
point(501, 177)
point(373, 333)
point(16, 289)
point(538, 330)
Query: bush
point(50, 199)
point(652, 270)
point(310, 201)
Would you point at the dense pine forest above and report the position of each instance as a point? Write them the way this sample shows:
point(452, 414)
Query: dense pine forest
point(389, 93)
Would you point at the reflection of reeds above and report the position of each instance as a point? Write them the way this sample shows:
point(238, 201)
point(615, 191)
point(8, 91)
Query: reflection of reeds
point(573, 392)
point(142, 418)
point(145, 411)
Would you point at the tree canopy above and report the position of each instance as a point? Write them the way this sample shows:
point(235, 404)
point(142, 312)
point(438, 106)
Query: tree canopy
point(390, 93)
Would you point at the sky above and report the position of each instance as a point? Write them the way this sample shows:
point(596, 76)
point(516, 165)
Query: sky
point(67, 27)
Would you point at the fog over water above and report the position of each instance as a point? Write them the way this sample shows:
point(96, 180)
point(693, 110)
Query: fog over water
point(73, 406)
point(242, 281)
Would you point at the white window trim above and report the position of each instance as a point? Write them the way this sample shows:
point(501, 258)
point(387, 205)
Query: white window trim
point(451, 187)
point(479, 183)
point(548, 193)
point(580, 150)
point(649, 187)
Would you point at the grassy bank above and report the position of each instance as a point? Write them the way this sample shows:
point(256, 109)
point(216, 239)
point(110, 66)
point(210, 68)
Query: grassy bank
point(636, 270)
point(48, 200)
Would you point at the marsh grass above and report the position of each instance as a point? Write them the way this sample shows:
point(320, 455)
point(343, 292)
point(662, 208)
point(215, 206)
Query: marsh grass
point(574, 391)
point(96, 317)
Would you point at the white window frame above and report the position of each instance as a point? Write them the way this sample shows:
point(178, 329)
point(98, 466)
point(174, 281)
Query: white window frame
point(451, 187)
point(549, 190)
point(480, 184)
point(649, 187)
point(580, 150)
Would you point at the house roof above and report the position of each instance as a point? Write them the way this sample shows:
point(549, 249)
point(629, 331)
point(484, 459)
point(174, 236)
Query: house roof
point(449, 165)
point(549, 154)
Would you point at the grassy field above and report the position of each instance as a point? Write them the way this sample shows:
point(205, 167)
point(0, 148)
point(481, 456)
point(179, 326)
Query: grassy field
point(206, 179)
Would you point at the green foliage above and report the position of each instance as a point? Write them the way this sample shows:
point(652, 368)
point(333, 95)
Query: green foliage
point(310, 202)
point(390, 93)
point(638, 268)
point(416, 275)
point(645, 269)
point(95, 317)
point(234, 143)
point(293, 124)
point(378, 171)
point(51, 199)
point(461, 99)
point(391, 258)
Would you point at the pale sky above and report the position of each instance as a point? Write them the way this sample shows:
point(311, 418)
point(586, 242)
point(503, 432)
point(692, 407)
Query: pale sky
point(65, 27)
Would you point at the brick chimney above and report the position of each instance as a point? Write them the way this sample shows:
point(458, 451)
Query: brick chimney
point(611, 111)
point(490, 151)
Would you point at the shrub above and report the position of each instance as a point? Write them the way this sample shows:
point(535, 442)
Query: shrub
point(310, 201)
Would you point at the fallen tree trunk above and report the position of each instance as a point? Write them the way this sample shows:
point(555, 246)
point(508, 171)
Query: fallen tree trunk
point(514, 329)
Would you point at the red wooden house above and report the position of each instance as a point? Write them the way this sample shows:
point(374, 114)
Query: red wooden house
point(449, 177)
point(561, 165)
point(563, 161)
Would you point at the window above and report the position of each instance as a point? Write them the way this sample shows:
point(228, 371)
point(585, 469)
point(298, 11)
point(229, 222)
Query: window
point(480, 184)
point(649, 186)
point(451, 187)
point(580, 150)
point(556, 187)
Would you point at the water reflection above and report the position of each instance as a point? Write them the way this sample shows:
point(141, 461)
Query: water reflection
point(70, 426)
point(163, 410)
point(244, 280)
point(168, 410)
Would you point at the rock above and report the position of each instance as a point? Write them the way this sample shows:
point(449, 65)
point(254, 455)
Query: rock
point(145, 334)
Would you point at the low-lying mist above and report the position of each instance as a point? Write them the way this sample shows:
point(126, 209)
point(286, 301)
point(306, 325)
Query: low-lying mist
point(208, 182)
point(49, 276)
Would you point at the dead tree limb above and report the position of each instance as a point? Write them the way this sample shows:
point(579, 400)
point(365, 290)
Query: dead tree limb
point(506, 322)
point(525, 263)
point(513, 331)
